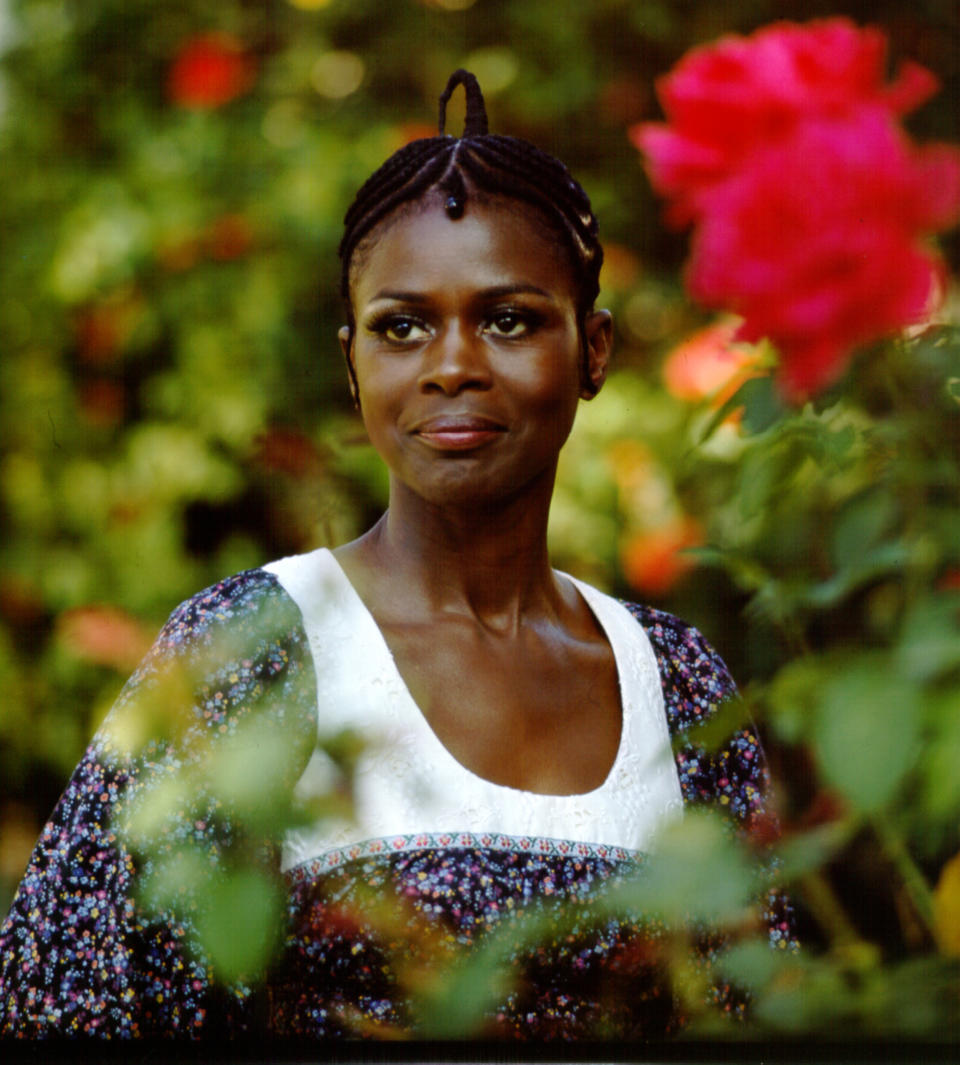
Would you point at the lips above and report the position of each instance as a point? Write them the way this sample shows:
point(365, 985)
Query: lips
point(458, 432)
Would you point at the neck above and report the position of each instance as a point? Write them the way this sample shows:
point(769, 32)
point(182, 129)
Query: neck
point(486, 561)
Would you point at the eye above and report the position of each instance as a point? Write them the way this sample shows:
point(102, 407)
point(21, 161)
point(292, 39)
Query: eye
point(399, 328)
point(510, 324)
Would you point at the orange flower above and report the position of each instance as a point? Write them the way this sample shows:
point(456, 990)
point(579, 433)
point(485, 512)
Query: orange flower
point(950, 581)
point(709, 365)
point(103, 402)
point(229, 237)
point(288, 451)
point(102, 329)
point(654, 560)
point(104, 635)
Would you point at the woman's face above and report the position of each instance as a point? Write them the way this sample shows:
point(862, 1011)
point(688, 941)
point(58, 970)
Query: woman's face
point(467, 352)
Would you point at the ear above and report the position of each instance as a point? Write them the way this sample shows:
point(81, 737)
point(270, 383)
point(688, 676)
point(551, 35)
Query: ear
point(598, 337)
point(345, 336)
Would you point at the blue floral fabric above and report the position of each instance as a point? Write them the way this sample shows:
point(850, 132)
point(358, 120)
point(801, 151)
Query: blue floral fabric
point(79, 956)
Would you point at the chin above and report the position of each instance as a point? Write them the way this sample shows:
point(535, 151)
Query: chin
point(477, 493)
point(466, 497)
point(474, 481)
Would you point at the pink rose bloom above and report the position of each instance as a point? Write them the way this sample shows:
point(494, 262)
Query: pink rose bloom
point(811, 207)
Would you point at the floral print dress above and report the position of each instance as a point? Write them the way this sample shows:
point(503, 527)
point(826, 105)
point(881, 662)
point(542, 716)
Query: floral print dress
point(456, 859)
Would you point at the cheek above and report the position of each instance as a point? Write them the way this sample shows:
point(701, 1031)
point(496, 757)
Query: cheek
point(553, 380)
point(379, 392)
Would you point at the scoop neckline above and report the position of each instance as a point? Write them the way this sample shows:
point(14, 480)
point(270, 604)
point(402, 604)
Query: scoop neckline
point(591, 596)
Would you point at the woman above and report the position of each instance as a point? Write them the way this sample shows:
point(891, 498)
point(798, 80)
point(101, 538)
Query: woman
point(516, 723)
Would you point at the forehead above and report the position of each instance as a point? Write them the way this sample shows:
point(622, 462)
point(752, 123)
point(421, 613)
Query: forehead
point(496, 241)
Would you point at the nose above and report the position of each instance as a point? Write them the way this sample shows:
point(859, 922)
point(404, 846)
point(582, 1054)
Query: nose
point(455, 360)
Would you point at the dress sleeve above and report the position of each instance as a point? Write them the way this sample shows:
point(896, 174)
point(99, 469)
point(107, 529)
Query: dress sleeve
point(78, 956)
point(731, 777)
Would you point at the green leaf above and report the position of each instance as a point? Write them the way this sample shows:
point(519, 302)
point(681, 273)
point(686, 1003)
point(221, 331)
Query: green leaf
point(810, 850)
point(861, 523)
point(239, 926)
point(464, 994)
point(761, 403)
point(936, 350)
point(815, 999)
point(697, 871)
point(752, 965)
point(248, 772)
point(930, 640)
point(720, 723)
point(939, 793)
point(793, 695)
point(866, 731)
point(173, 879)
point(872, 564)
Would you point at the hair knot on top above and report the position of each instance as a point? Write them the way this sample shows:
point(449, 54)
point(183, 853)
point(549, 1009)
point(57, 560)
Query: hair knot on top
point(475, 124)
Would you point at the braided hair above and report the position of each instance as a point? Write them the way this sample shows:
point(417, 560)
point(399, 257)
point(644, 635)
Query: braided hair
point(489, 164)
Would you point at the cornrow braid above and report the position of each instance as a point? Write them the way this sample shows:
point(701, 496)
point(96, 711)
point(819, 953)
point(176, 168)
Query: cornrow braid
point(492, 164)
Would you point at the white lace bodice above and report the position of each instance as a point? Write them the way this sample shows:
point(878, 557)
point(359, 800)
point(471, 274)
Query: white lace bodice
point(407, 782)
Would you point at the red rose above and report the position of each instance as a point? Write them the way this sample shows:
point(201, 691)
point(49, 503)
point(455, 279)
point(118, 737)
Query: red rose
point(817, 245)
point(725, 100)
point(210, 70)
point(810, 203)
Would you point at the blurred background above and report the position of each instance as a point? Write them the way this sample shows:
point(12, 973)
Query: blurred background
point(173, 405)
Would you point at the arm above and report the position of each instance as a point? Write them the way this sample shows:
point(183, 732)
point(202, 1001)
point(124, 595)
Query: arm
point(732, 777)
point(77, 954)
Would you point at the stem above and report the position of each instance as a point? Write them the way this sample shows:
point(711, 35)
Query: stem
point(819, 896)
point(913, 879)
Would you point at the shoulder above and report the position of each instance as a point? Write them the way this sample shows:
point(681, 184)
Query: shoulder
point(694, 677)
point(235, 646)
point(253, 600)
point(243, 618)
point(727, 770)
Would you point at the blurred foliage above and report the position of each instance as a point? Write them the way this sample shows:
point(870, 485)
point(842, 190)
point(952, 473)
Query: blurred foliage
point(173, 409)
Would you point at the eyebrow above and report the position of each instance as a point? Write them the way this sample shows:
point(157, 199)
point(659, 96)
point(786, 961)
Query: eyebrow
point(495, 292)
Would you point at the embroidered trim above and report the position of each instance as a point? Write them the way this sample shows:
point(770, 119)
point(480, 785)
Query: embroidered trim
point(385, 846)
